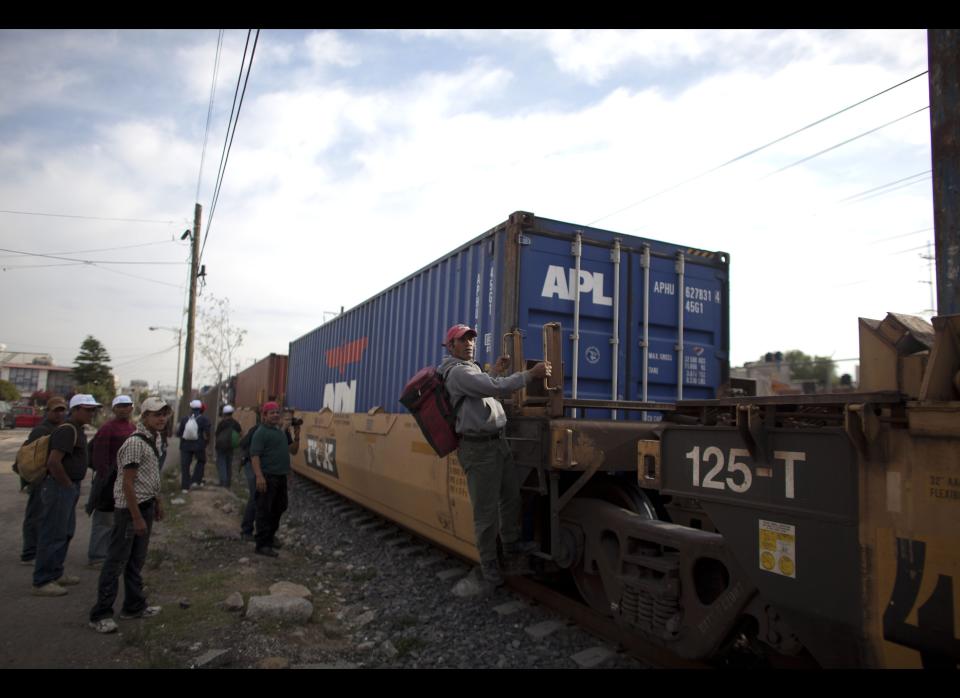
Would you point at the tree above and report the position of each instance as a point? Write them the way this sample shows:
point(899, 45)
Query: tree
point(92, 372)
point(804, 367)
point(217, 338)
point(8, 391)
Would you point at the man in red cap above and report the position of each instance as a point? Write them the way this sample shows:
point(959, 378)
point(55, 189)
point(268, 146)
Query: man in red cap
point(484, 453)
point(270, 451)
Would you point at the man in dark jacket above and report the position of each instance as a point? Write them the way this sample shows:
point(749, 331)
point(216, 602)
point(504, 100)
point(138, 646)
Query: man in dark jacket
point(106, 444)
point(56, 413)
point(193, 444)
point(227, 427)
point(59, 492)
point(270, 451)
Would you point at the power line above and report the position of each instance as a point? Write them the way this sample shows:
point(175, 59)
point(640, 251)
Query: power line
point(903, 235)
point(138, 278)
point(226, 154)
point(103, 249)
point(88, 218)
point(849, 140)
point(145, 356)
point(81, 261)
point(757, 150)
point(213, 91)
point(887, 185)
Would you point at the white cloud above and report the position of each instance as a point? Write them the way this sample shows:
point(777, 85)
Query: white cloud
point(330, 48)
point(337, 189)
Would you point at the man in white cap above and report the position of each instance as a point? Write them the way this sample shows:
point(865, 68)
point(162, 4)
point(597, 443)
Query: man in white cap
point(138, 505)
point(228, 437)
point(194, 430)
point(106, 444)
point(59, 492)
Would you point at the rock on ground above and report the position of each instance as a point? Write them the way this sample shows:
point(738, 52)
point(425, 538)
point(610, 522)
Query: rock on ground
point(279, 607)
point(290, 589)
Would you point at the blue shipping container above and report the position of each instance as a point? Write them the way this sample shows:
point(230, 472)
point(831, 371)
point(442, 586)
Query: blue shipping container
point(634, 294)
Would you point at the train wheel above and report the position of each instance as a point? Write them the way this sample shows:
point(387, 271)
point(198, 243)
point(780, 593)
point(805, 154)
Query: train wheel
point(619, 494)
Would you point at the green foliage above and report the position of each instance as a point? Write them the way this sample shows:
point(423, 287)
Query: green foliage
point(811, 368)
point(100, 393)
point(8, 391)
point(92, 371)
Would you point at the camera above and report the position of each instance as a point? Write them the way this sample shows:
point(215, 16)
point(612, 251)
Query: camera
point(296, 422)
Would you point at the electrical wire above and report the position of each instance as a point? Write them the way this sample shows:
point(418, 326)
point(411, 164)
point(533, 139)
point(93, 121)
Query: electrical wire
point(81, 261)
point(903, 235)
point(226, 155)
point(885, 186)
point(842, 143)
point(138, 278)
point(145, 356)
point(213, 91)
point(88, 218)
point(103, 249)
point(758, 149)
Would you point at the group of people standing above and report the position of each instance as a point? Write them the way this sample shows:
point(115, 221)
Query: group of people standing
point(124, 502)
point(127, 458)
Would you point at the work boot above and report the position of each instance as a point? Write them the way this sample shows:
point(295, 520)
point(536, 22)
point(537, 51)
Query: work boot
point(520, 547)
point(491, 573)
point(516, 565)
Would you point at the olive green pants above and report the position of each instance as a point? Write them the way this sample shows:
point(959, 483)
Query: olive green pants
point(494, 493)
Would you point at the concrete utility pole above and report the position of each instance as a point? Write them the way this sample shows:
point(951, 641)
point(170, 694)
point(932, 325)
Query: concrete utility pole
point(191, 315)
point(943, 57)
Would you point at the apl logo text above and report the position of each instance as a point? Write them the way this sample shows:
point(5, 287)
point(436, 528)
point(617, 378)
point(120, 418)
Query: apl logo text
point(560, 283)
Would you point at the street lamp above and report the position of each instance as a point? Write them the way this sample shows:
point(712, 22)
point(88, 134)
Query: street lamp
point(179, 332)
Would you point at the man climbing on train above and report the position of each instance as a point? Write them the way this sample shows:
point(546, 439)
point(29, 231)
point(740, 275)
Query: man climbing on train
point(484, 454)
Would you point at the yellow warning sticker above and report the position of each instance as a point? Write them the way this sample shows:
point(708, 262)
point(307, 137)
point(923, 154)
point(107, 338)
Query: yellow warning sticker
point(778, 548)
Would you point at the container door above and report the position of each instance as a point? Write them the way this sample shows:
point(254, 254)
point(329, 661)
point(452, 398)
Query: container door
point(548, 282)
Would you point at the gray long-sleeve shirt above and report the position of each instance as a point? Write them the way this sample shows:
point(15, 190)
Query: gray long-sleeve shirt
point(480, 414)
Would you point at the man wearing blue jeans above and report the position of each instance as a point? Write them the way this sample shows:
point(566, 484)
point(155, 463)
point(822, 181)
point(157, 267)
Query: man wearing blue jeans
point(193, 447)
point(59, 492)
point(227, 427)
point(56, 413)
point(138, 505)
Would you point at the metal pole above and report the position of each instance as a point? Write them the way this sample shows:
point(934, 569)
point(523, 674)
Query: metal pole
point(577, 251)
point(191, 314)
point(681, 295)
point(943, 56)
point(615, 340)
point(646, 320)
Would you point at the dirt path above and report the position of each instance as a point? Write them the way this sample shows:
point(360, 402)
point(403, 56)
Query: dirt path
point(40, 633)
point(195, 561)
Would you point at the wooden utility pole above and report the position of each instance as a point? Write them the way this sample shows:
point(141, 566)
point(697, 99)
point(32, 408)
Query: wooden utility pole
point(943, 57)
point(191, 315)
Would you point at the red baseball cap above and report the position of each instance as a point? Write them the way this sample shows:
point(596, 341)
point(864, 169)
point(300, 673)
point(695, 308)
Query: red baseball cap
point(267, 406)
point(458, 331)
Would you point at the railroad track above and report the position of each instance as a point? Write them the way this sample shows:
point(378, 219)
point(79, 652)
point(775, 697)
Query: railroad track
point(541, 595)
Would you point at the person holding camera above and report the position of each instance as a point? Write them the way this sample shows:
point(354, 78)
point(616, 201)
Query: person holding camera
point(270, 451)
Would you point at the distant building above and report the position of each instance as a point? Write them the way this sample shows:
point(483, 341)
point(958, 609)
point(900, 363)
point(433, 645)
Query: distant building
point(773, 377)
point(31, 372)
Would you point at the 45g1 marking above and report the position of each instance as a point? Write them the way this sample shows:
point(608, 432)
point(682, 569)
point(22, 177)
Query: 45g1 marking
point(740, 475)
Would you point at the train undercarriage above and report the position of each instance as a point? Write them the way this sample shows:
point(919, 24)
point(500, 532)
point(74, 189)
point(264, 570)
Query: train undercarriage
point(801, 530)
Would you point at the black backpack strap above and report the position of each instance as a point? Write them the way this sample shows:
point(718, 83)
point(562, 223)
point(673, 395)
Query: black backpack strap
point(147, 440)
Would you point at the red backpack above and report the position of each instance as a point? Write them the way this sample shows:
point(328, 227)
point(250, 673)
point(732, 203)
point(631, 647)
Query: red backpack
point(427, 399)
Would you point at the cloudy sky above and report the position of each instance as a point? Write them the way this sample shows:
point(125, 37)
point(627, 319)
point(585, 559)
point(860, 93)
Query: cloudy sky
point(360, 156)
